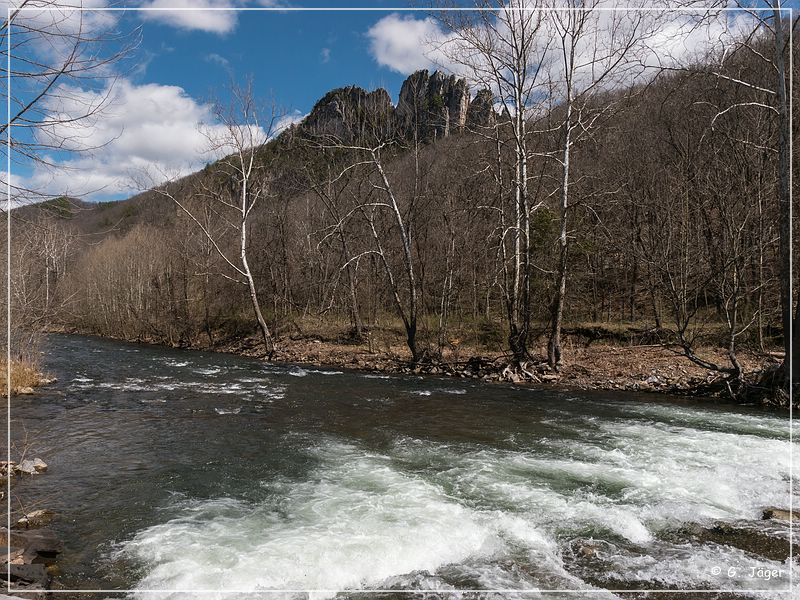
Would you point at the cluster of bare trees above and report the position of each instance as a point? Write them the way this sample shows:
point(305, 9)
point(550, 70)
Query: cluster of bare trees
point(49, 51)
point(596, 191)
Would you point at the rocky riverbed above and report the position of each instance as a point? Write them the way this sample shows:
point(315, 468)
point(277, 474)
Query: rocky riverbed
point(31, 551)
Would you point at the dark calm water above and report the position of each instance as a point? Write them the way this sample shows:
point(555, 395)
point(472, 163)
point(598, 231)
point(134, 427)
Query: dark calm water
point(179, 471)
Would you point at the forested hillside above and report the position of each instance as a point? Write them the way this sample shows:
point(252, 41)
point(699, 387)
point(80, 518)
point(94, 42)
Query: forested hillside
point(377, 225)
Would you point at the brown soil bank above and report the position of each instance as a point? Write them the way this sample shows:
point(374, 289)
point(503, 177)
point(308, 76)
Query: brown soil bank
point(599, 359)
point(600, 365)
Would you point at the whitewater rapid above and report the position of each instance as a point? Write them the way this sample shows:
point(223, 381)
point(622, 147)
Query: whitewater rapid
point(444, 517)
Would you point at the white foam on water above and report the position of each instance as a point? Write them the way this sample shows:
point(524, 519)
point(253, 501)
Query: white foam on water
point(162, 385)
point(355, 522)
point(498, 516)
point(297, 372)
point(422, 392)
point(263, 394)
point(710, 566)
point(458, 392)
point(228, 411)
point(376, 376)
point(208, 371)
point(171, 362)
point(323, 372)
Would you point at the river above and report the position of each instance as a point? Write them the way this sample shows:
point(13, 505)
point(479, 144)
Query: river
point(177, 470)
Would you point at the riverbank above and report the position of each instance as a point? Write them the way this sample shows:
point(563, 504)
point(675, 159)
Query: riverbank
point(591, 363)
point(25, 377)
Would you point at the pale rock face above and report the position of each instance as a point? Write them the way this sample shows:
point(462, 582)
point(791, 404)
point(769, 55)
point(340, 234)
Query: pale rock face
point(349, 111)
point(430, 105)
point(437, 104)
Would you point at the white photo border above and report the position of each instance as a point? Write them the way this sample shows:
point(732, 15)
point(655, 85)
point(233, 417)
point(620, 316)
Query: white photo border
point(288, 9)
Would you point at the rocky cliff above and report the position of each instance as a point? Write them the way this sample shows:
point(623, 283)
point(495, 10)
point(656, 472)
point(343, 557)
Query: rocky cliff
point(430, 106)
point(350, 112)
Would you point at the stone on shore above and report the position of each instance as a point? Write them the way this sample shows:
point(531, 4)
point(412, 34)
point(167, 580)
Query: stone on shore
point(780, 514)
point(37, 544)
point(30, 580)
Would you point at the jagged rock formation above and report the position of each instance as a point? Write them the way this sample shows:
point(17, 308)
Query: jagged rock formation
point(481, 113)
point(432, 106)
point(350, 112)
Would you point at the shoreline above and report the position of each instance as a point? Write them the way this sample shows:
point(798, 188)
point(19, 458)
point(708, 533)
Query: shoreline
point(597, 366)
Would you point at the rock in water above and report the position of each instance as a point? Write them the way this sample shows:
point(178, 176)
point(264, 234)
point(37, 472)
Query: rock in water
point(36, 518)
point(27, 466)
point(42, 542)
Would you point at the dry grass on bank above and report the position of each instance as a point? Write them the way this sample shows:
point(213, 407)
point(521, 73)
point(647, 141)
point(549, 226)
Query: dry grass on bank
point(24, 376)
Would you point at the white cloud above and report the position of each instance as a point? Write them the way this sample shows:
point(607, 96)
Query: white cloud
point(218, 60)
point(146, 128)
point(287, 120)
point(405, 44)
point(49, 29)
point(325, 55)
point(193, 14)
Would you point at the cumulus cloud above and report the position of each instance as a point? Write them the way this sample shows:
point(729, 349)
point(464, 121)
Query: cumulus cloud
point(193, 14)
point(49, 29)
point(406, 44)
point(147, 128)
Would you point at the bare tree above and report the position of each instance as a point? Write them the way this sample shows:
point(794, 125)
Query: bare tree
point(49, 49)
point(233, 187)
point(595, 53)
point(55, 50)
point(769, 21)
point(501, 50)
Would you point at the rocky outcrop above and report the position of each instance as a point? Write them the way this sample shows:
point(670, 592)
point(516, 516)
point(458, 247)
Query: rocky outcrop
point(350, 112)
point(30, 556)
point(481, 113)
point(430, 106)
point(434, 105)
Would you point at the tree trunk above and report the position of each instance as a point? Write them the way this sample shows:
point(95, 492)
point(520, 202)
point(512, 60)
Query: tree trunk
point(784, 199)
point(554, 347)
point(269, 345)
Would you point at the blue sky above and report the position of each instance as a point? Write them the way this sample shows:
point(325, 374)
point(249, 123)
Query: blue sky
point(294, 56)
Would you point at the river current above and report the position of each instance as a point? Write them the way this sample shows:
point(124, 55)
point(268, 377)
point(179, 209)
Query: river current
point(179, 471)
